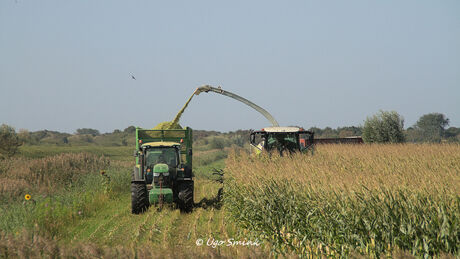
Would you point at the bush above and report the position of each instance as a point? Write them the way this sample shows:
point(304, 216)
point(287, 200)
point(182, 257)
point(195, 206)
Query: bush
point(130, 130)
point(9, 141)
point(217, 143)
point(384, 127)
point(86, 131)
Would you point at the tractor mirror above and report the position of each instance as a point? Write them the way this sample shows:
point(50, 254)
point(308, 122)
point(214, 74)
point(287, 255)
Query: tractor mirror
point(136, 153)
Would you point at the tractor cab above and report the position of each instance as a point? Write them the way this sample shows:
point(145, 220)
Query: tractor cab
point(282, 139)
point(162, 159)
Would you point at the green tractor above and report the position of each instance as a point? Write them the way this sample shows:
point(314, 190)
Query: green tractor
point(163, 171)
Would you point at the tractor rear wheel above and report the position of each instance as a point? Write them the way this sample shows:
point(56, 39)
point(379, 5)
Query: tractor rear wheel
point(185, 196)
point(139, 198)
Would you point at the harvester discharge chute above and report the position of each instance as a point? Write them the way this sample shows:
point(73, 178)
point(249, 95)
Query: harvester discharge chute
point(281, 139)
point(219, 90)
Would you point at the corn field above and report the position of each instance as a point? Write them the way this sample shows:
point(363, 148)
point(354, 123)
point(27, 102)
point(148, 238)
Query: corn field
point(367, 199)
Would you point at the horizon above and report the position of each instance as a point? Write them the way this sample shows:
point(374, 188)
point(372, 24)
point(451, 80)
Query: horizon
point(123, 128)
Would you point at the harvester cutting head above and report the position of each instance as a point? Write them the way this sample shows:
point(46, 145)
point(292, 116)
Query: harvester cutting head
point(282, 139)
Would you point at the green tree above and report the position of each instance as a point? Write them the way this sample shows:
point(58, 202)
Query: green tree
point(385, 126)
point(356, 131)
point(130, 129)
point(432, 127)
point(24, 136)
point(452, 134)
point(345, 133)
point(86, 138)
point(318, 132)
point(9, 141)
point(328, 132)
point(413, 135)
point(87, 131)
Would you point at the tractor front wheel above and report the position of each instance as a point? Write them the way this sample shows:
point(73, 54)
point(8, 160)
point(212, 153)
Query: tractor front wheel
point(185, 196)
point(139, 198)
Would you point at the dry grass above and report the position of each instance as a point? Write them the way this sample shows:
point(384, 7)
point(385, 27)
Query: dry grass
point(46, 175)
point(54, 186)
point(29, 245)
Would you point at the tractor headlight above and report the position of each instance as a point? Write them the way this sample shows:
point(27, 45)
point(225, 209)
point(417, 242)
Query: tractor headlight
point(161, 174)
point(158, 174)
point(161, 179)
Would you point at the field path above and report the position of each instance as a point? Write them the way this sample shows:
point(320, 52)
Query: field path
point(165, 230)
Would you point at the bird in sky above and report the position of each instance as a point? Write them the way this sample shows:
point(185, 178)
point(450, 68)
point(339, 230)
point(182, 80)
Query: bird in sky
point(133, 77)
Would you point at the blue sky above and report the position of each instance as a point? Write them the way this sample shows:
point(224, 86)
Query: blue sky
point(67, 64)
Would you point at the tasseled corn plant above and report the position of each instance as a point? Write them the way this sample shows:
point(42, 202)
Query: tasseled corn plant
point(362, 199)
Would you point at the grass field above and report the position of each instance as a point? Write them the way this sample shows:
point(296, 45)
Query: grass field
point(77, 212)
point(369, 200)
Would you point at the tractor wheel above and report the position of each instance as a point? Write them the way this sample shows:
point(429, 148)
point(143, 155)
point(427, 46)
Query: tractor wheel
point(139, 198)
point(185, 197)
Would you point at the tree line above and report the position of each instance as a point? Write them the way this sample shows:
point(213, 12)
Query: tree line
point(388, 127)
point(382, 127)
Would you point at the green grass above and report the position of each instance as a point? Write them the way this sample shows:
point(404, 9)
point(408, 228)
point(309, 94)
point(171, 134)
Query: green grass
point(206, 171)
point(91, 216)
point(49, 213)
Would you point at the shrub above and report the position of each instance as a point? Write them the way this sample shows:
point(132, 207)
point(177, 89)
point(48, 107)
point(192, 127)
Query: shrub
point(9, 141)
point(217, 143)
point(384, 127)
point(87, 131)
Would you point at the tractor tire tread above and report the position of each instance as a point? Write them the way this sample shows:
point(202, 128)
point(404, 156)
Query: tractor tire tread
point(139, 198)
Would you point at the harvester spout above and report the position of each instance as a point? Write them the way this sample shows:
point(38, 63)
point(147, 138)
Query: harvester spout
point(219, 90)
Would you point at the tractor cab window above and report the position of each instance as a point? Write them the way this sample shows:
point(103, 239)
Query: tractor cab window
point(282, 141)
point(162, 155)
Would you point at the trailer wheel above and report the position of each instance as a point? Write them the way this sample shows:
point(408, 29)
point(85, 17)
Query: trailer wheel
point(139, 198)
point(185, 196)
